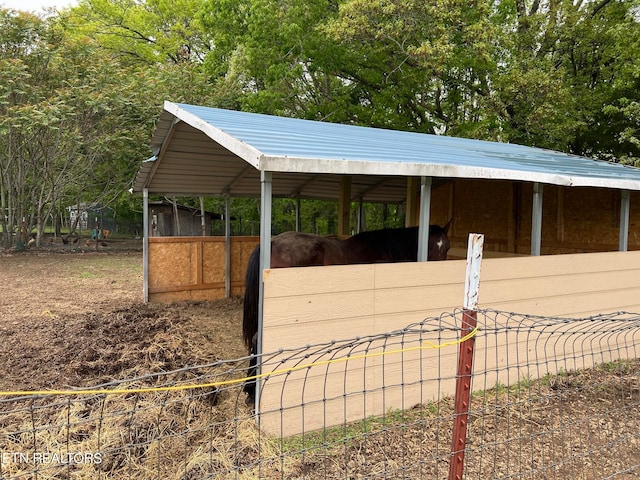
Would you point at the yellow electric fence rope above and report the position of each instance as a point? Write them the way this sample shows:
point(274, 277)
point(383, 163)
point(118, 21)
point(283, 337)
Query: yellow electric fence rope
point(121, 391)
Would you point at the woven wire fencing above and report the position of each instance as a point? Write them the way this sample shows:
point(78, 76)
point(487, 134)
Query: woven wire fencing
point(552, 398)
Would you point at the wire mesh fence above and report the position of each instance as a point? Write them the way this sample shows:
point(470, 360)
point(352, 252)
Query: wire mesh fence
point(552, 398)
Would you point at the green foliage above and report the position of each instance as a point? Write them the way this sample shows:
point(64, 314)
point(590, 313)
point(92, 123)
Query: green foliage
point(269, 56)
point(149, 32)
point(626, 112)
point(419, 66)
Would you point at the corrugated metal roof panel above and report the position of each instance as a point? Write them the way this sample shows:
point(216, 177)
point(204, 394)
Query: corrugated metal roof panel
point(217, 145)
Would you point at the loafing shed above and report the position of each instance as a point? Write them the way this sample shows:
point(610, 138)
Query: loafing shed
point(527, 201)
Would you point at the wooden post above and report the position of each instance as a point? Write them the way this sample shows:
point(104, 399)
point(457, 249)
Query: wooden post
point(344, 207)
point(24, 231)
point(413, 204)
point(176, 218)
point(203, 222)
point(465, 357)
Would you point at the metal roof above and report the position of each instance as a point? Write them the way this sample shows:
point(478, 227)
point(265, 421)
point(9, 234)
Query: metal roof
point(210, 151)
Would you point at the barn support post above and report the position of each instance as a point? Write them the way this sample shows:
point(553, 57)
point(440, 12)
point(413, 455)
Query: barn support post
point(176, 217)
point(411, 211)
point(145, 244)
point(625, 204)
point(227, 238)
point(203, 221)
point(360, 214)
point(425, 215)
point(536, 219)
point(298, 213)
point(465, 357)
point(344, 207)
point(266, 189)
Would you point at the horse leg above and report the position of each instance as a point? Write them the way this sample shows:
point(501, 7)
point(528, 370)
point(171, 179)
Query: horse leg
point(249, 386)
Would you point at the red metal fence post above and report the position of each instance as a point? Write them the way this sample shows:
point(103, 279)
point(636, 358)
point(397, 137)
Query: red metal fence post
point(463, 397)
point(465, 357)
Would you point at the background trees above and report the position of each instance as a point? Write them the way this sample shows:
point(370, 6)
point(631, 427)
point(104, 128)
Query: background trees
point(80, 89)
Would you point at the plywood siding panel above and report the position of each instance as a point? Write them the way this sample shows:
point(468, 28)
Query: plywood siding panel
point(194, 268)
point(240, 253)
point(551, 265)
point(213, 261)
point(574, 219)
point(171, 261)
point(546, 288)
point(318, 318)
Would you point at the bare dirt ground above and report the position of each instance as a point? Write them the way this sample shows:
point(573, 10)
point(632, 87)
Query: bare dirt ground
point(71, 316)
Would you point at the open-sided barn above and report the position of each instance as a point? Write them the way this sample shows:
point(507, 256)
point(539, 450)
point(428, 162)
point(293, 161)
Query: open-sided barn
point(484, 186)
point(526, 201)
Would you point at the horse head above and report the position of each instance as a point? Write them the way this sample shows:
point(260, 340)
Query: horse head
point(439, 242)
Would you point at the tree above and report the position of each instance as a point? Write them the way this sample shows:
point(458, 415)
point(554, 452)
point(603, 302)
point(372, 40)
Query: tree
point(564, 64)
point(74, 121)
point(422, 66)
point(147, 32)
point(270, 56)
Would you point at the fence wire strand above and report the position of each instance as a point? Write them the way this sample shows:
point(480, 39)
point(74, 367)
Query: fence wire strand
point(553, 398)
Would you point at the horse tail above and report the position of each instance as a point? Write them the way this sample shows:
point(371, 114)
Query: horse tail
point(251, 293)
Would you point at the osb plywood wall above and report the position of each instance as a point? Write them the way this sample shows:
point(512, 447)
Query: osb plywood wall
point(193, 268)
point(320, 304)
point(574, 219)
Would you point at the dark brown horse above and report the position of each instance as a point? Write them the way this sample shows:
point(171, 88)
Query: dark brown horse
point(294, 249)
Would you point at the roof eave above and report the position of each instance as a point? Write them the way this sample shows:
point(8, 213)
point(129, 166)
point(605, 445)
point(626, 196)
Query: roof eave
point(248, 153)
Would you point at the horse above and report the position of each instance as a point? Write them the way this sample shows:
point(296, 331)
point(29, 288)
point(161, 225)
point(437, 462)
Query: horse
point(295, 249)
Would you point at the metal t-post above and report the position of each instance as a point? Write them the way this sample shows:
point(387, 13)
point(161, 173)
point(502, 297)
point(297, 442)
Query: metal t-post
point(465, 357)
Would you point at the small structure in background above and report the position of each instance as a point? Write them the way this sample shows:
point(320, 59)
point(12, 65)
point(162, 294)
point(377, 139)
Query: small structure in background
point(173, 220)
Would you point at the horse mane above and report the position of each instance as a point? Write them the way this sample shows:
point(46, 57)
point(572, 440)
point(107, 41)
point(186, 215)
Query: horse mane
point(394, 244)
